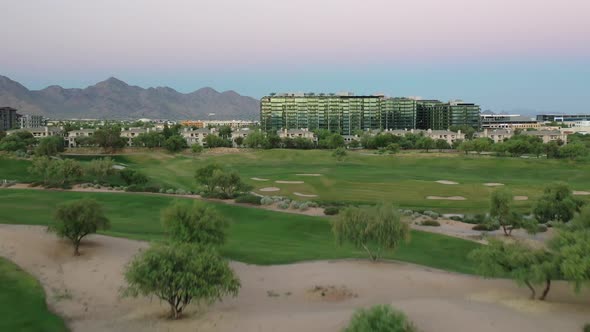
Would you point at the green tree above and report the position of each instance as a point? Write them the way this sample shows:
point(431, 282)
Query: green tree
point(502, 212)
point(214, 141)
point(109, 138)
point(204, 175)
point(196, 148)
point(556, 204)
point(15, 142)
point(50, 146)
point(466, 146)
point(551, 149)
point(40, 166)
point(196, 223)
point(228, 182)
point(176, 143)
point(225, 132)
point(481, 144)
point(131, 176)
point(76, 219)
point(100, 168)
point(256, 140)
point(425, 143)
point(180, 274)
point(63, 171)
point(517, 261)
point(393, 147)
point(354, 144)
point(573, 151)
point(339, 154)
point(467, 130)
point(373, 229)
point(149, 140)
point(239, 141)
point(335, 141)
point(441, 144)
point(379, 318)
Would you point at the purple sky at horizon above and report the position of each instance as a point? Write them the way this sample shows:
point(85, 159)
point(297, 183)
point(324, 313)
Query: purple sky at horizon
point(503, 54)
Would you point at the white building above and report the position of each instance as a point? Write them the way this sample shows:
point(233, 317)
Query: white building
point(243, 133)
point(131, 134)
point(197, 136)
point(40, 132)
point(72, 135)
point(297, 133)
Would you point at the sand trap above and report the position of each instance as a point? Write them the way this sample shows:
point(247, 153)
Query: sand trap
point(270, 189)
point(277, 298)
point(521, 198)
point(258, 179)
point(119, 167)
point(303, 195)
point(309, 174)
point(446, 182)
point(449, 198)
point(581, 193)
point(493, 184)
point(290, 182)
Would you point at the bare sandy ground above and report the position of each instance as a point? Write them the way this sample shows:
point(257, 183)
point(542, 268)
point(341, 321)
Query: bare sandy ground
point(493, 184)
point(309, 174)
point(85, 291)
point(446, 182)
point(268, 189)
point(581, 193)
point(289, 182)
point(258, 179)
point(449, 198)
point(304, 195)
point(521, 198)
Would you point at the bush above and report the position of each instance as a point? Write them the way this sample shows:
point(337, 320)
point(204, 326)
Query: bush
point(587, 328)
point(331, 211)
point(135, 188)
point(474, 219)
point(131, 176)
point(431, 214)
point(170, 191)
point(266, 200)
point(295, 205)
point(304, 206)
point(249, 199)
point(456, 218)
point(430, 223)
point(283, 205)
point(541, 228)
point(380, 318)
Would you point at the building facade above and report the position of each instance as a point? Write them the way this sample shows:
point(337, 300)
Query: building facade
point(563, 117)
point(507, 121)
point(8, 118)
point(32, 121)
point(347, 114)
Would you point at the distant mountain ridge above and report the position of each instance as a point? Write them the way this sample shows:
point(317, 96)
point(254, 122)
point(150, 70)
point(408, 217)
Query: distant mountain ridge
point(115, 99)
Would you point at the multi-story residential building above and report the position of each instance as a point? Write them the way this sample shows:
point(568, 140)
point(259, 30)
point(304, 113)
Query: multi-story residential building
point(32, 121)
point(70, 139)
point(8, 118)
point(507, 121)
point(348, 114)
point(197, 136)
point(234, 124)
point(548, 135)
point(130, 134)
point(447, 135)
point(496, 135)
point(242, 133)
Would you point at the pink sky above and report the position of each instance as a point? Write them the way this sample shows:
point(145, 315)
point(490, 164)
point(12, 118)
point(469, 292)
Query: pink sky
point(204, 33)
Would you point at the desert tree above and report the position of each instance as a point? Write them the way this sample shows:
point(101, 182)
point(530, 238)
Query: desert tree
point(228, 182)
point(374, 229)
point(50, 146)
point(109, 138)
point(517, 261)
point(556, 204)
point(194, 223)
point(175, 143)
point(100, 168)
point(502, 212)
point(379, 318)
point(339, 154)
point(180, 274)
point(425, 143)
point(204, 175)
point(76, 219)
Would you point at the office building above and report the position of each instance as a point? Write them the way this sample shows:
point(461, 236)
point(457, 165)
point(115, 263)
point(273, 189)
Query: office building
point(566, 118)
point(347, 114)
point(32, 121)
point(507, 121)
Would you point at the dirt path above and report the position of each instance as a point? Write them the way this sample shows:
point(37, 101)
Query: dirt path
point(85, 291)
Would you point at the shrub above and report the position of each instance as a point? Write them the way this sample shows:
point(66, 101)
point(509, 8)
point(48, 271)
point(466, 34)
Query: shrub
point(266, 200)
point(431, 214)
point(131, 176)
point(295, 205)
point(180, 192)
point(541, 228)
point(380, 318)
point(331, 211)
point(170, 191)
point(312, 204)
point(456, 218)
point(249, 199)
point(283, 205)
point(474, 219)
point(430, 223)
point(304, 206)
point(587, 328)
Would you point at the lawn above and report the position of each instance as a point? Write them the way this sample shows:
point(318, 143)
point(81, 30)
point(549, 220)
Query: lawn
point(22, 302)
point(405, 179)
point(255, 236)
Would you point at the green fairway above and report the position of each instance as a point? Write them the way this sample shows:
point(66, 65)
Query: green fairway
point(22, 302)
point(255, 236)
point(405, 179)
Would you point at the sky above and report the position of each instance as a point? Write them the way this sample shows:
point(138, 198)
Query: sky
point(506, 55)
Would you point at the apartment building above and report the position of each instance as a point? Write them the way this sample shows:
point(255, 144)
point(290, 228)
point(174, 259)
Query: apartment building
point(32, 121)
point(8, 118)
point(197, 136)
point(70, 139)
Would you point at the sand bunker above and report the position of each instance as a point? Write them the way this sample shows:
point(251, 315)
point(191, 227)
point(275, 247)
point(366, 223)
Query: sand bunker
point(304, 195)
point(493, 184)
point(521, 198)
point(309, 174)
point(581, 193)
point(270, 189)
point(330, 293)
point(258, 179)
point(446, 182)
point(290, 182)
point(449, 198)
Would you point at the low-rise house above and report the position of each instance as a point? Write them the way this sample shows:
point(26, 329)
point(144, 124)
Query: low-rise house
point(296, 133)
point(243, 133)
point(496, 135)
point(447, 135)
point(548, 135)
point(40, 132)
point(72, 135)
point(132, 133)
point(197, 136)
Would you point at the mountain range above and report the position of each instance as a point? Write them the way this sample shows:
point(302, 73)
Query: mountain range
point(115, 99)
